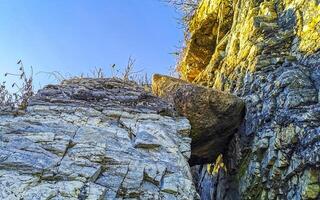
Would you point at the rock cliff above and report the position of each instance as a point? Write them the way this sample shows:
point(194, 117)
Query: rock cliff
point(95, 139)
point(110, 139)
point(267, 53)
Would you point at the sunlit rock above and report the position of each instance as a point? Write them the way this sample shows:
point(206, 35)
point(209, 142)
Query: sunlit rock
point(267, 53)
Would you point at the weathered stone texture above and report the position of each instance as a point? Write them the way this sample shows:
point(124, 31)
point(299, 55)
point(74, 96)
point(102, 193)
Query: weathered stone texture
point(214, 115)
point(207, 33)
point(95, 139)
point(270, 57)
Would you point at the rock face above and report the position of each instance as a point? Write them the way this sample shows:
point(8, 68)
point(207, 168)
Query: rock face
point(95, 139)
point(214, 115)
point(268, 53)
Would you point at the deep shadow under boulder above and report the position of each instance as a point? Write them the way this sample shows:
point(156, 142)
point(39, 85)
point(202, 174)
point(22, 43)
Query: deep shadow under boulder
point(214, 115)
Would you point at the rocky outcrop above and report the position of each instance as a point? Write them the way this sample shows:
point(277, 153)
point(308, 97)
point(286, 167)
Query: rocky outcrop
point(267, 53)
point(214, 115)
point(95, 139)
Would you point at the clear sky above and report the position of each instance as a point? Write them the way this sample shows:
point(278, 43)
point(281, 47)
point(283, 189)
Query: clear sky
point(74, 36)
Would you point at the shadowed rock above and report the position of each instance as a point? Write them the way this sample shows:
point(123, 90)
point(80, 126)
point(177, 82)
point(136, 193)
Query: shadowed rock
point(214, 115)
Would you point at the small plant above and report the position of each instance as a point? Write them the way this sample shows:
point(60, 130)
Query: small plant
point(128, 70)
point(6, 98)
point(54, 74)
point(127, 74)
point(114, 71)
point(18, 100)
point(98, 72)
point(179, 55)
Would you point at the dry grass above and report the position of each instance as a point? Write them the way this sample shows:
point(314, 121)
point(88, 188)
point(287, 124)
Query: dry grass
point(127, 73)
point(23, 90)
point(16, 98)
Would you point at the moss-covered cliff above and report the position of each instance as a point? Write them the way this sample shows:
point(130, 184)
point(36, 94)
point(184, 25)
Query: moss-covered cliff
point(268, 53)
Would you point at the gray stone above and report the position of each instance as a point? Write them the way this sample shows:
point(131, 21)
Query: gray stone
point(95, 139)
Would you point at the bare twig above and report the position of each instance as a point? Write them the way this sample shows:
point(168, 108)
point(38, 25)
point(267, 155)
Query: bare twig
point(98, 72)
point(128, 69)
point(185, 7)
point(55, 74)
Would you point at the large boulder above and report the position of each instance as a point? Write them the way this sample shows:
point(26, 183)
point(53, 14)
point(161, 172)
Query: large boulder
point(214, 115)
point(95, 139)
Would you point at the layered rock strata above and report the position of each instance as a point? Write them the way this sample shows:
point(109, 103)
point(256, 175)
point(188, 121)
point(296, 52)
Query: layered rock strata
point(268, 53)
point(214, 115)
point(95, 139)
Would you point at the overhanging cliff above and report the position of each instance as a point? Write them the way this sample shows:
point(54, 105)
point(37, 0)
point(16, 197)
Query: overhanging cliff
point(267, 53)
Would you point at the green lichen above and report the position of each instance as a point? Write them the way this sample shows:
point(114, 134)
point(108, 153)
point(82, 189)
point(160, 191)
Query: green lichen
point(244, 166)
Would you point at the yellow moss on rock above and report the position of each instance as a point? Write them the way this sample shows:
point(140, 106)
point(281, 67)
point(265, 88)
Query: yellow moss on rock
point(230, 35)
point(309, 26)
point(209, 26)
point(311, 186)
point(243, 50)
point(213, 169)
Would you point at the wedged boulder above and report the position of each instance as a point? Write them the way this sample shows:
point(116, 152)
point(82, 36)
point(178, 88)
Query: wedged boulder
point(214, 115)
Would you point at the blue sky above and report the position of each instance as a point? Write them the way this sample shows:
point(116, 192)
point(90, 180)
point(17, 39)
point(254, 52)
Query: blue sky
point(74, 36)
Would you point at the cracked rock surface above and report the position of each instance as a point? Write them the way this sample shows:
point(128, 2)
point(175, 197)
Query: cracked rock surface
point(268, 54)
point(95, 139)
